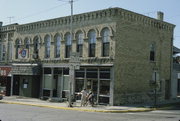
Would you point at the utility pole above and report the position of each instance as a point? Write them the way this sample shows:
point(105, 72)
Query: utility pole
point(71, 66)
point(74, 62)
point(10, 19)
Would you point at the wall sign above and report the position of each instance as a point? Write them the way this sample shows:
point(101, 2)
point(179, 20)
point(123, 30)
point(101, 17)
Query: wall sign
point(22, 53)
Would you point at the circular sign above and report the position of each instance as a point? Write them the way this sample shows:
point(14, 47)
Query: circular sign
point(23, 53)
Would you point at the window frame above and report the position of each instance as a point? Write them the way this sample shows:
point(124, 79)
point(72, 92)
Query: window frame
point(18, 45)
point(92, 43)
point(47, 41)
point(105, 42)
point(80, 41)
point(57, 47)
point(68, 45)
point(152, 53)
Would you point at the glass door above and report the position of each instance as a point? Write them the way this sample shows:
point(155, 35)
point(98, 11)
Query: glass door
point(92, 85)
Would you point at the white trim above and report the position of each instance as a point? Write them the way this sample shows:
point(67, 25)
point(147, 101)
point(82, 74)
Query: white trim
point(96, 64)
point(24, 64)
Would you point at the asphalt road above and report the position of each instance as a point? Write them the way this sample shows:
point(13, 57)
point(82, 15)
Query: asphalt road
point(12, 112)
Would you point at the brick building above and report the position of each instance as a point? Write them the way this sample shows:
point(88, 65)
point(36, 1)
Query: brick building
point(125, 57)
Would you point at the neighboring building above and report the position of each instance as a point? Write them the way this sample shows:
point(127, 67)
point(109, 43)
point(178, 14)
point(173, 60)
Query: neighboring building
point(175, 84)
point(121, 56)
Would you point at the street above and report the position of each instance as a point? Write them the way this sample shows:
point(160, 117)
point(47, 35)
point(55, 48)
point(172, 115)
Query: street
point(13, 112)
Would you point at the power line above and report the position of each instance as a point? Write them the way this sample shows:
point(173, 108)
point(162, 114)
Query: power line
point(10, 19)
point(40, 12)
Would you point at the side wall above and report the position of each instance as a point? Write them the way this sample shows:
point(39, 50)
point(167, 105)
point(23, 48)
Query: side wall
point(134, 70)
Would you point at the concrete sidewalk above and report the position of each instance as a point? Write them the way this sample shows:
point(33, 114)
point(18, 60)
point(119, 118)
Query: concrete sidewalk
point(76, 106)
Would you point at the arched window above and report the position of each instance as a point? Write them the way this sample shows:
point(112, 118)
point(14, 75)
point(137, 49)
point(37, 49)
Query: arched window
point(92, 43)
point(80, 40)
point(36, 47)
point(10, 49)
point(105, 42)
point(152, 52)
point(68, 45)
point(18, 45)
point(57, 46)
point(27, 43)
point(47, 40)
point(3, 51)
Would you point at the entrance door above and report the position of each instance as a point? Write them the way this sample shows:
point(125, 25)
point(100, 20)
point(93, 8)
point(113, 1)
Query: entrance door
point(92, 84)
point(167, 89)
point(16, 85)
point(178, 88)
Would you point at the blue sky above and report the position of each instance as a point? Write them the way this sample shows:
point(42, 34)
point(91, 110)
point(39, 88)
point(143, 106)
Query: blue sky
point(26, 11)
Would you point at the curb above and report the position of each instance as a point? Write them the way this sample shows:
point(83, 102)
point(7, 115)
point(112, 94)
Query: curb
point(80, 109)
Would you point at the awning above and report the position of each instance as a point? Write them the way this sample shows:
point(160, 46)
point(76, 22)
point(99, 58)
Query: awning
point(5, 70)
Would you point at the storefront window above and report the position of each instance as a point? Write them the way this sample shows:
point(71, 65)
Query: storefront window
point(104, 87)
point(92, 73)
point(65, 71)
point(105, 73)
point(47, 70)
point(57, 71)
point(80, 73)
point(79, 85)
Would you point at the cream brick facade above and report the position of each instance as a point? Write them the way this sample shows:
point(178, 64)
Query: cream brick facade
point(130, 37)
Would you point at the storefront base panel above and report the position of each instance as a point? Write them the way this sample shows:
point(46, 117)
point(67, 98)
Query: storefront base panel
point(138, 99)
point(27, 86)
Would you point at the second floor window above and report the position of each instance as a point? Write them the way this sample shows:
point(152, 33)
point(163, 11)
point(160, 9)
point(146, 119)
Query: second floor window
point(3, 52)
point(47, 46)
point(18, 45)
point(36, 48)
point(105, 42)
point(80, 38)
point(152, 52)
point(10, 50)
point(68, 45)
point(57, 46)
point(92, 43)
point(27, 43)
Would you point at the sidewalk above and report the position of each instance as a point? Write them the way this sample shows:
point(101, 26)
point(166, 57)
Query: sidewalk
point(76, 106)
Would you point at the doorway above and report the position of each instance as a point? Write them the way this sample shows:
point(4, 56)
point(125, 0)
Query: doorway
point(92, 84)
point(16, 85)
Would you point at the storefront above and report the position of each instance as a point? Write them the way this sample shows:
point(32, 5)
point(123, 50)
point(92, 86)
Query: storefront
point(5, 78)
point(56, 81)
point(26, 79)
point(97, 79)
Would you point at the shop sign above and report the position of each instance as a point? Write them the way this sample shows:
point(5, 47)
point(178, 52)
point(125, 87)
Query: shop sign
point(26, 70)
point(5, 71)
point(22, 53)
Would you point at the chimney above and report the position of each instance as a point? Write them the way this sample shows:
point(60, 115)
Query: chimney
point(160, 15)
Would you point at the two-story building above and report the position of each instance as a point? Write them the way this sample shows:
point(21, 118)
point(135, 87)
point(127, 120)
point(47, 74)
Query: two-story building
point(125, 57)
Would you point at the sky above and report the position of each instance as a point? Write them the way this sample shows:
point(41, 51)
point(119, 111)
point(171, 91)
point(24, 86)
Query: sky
point(27, 11)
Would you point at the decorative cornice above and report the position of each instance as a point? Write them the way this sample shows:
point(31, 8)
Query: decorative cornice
point(8, 28)
point(110, 13)
point(145, 20)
